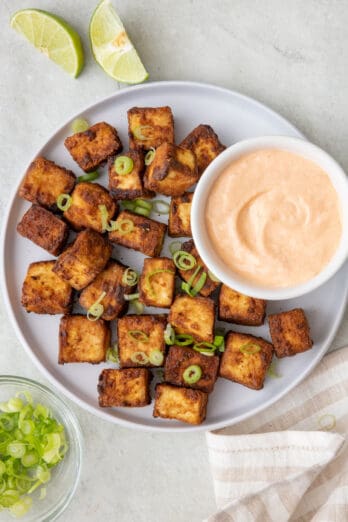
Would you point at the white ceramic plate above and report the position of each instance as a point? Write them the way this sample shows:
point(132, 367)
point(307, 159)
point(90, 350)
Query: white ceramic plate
point(234, 117)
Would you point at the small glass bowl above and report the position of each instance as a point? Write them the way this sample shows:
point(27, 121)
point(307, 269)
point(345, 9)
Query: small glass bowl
point(65, 476)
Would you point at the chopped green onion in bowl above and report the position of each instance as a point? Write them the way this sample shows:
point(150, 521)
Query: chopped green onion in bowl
point(40, 450)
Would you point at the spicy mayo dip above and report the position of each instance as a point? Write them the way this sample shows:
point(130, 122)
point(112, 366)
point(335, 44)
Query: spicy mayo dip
point(274, 218)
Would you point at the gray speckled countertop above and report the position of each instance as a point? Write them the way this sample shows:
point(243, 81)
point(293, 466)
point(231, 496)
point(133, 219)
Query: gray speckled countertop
point(290, 55)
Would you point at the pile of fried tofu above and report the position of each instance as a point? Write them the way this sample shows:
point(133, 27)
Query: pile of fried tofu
point(85, 270)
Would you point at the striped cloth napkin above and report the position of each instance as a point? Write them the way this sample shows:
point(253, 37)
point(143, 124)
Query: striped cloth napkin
point(290, 462)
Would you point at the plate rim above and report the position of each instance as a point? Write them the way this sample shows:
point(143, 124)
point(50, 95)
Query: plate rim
point(53, 380)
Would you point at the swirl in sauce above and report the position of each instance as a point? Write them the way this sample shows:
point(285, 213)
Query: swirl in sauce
point(274, 218)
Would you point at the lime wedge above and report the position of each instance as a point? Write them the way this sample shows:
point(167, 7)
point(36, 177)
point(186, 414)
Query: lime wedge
point(52, 36)
point(112, 48)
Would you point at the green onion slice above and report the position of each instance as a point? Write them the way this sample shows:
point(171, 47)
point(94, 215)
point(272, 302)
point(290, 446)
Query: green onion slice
point(193, 291)
point(130, 277)
point(142, 211)
point(250, 348)
point(138, 132)
point(90, 176)
point(160, 206)
point(112, 354)
point(96, 310)
point(139, 357)
point(192, 374)
point(213, 277)
point(169, 335)
point(79, 125)
point(150, 156)
point(205, 348)
point(219, 342)
point(327, 422)
point(272, 372)
point(131, 297)
point(64, 202)
point(124, 226)
point(183, 339)
point(143, 204)
point(137, 306)
point(153, 273)
point(184, 260)
point(139, 335)
point(104, 218)
point(174, 246)
point(123, 165)
point(156, 358)
point(128, 205)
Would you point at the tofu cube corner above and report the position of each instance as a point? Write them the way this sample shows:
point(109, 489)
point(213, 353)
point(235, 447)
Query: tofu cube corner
point(290, 332)
point(246, 359)
point(128, 387)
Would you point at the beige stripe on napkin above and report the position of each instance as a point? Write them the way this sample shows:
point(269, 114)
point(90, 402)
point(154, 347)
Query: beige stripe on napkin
point(290, 462)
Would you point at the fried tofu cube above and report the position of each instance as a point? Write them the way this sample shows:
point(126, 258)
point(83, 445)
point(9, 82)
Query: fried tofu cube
point(110, 282)
point(44, 229)
point(205, 145)
point(145, 235)
point(150, 127)
point(84, 259)
point(290, 332)
point(182, 404)
point(157, 282)
point(129, 186)
point(93, 147)
point(209, 285)
point(44, 181)
point(81, 340)
point(193, 316)
point(246, 359)
point(172, 171)
point(180, 358)
point(138, 336)
point(84, 210)
point(129, 387)
point(179, 224)
point(43, 292)
point(239, 308)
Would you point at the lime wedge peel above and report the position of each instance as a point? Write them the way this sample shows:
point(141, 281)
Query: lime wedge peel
point(112, 48)
point(52, 36)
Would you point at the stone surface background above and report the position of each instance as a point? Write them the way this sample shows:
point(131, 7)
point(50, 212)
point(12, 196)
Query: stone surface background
point(290, 55)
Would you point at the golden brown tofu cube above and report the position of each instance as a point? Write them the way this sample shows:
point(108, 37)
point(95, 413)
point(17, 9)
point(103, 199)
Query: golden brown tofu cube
point(138, 336)
point(84, 259)
point(179, 224)
point(44, 181)
point(81, 340)
point(209, 285)
point(246, 359)
point(150, 127)
point(128, 387)
point(44, 229)
point(194, 316)
point(110, 282)
point(239, 308)
point(182, 404)
point(94, 146)
point(145, 234)
point(129, 186)
point(43, 292)
point(172, 171)
point(84, 210)
point(205, 145)
point(179, 358)
point(157, 282)
point(290, 332)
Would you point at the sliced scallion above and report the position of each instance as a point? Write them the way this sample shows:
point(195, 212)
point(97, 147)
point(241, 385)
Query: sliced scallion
point(192, 374)
point(272, 372)
point(64, 202)
point(169, 335)
point(219, 342)
point(156, 357)
point(143, 204)
point(137, 306)
point(160, 207)
point(112, 354)
point(138, 132)
point(142, 211)
point(192, 291)
point(139, 335)
point(184, 260)
point(130, 277)
point(139, 357)
point(106, 226)
point(124, 226)
point(131, 297)
point(183, 339)
point(205, 348)
point(150, 156)
point(250, 348)
point(79, 125)
point(90, 176)
point(174, 246)
point(153, 273)
point(96, 310)
point(123, 165)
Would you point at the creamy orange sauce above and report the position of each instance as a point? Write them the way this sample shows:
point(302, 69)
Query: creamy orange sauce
point(274, 218)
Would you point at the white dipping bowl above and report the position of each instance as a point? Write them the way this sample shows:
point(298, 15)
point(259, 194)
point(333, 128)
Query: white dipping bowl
point(200, 234)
